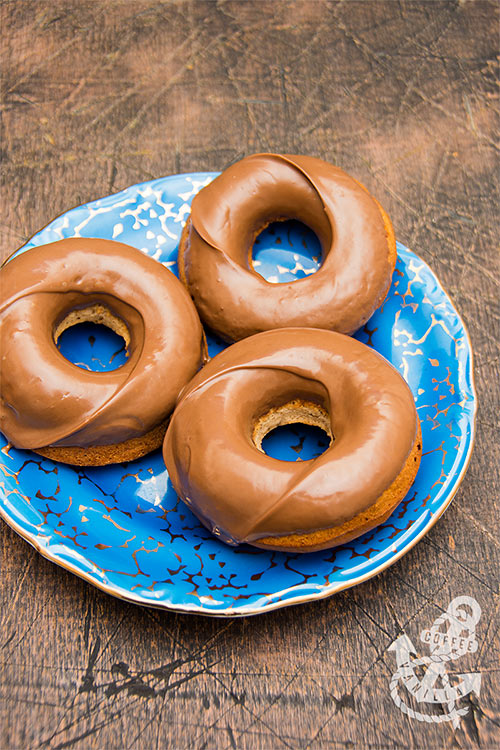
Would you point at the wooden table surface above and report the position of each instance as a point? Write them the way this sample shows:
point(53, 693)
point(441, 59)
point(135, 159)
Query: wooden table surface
point(100, 95)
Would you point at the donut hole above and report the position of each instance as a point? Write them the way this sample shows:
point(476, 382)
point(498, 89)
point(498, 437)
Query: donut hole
point(93, 339)
point(297, 431)
point(285, 251)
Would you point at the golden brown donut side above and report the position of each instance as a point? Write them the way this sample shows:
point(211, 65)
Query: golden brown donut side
point(102, 455)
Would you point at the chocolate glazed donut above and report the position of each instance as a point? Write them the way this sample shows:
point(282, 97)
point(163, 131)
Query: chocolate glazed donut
point(92, 417)
point(213, 451)
point(356, 236)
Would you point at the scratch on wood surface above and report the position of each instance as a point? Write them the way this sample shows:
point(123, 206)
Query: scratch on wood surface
point(10, 610)
point(458, 509)
point(461, 565)
point(487, 640)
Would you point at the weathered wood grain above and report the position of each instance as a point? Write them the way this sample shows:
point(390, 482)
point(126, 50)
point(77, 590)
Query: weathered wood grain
point(98, 95)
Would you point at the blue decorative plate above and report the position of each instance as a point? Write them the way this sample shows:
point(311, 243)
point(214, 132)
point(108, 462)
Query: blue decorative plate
point(122, 527)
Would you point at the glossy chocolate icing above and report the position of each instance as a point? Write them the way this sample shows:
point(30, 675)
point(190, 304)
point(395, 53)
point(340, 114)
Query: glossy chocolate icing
point(242, 494)
point(358, 247)
point(45, 399)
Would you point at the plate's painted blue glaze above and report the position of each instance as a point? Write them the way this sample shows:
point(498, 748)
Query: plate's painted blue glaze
point(93, 347)
point(122, 528)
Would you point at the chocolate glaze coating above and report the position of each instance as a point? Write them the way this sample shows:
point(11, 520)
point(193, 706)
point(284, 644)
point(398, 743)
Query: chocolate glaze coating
point(358, 247)
point(45, 399)
point(242, 494)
